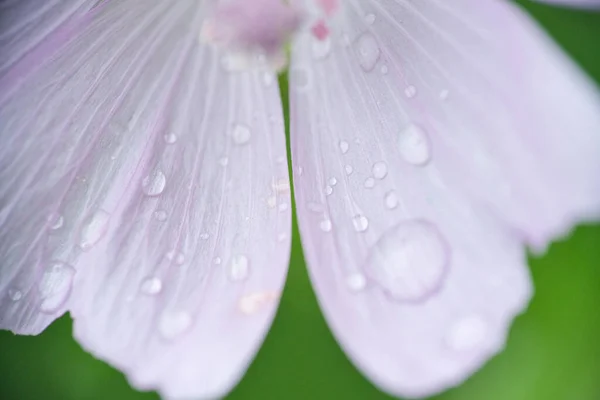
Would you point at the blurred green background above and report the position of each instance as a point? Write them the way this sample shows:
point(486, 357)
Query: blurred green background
point(553, 352)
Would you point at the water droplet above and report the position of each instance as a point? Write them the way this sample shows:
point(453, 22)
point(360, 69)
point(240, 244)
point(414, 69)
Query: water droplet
point(368, 51)
point(217, 260)
point(55, 221)
point(271, 201)
point(409, 261)
point(370, 18)
point(239, 268)
point(151, 286)
point(328, 190)
point(325, 225)
point(255, 302)
point(300, 171)
point(332, 181)
point(15, 295)
point(321, 48)
point(55, 286)
point(174, 324)
point(380, 170)
point(349, 169)
point(356, 282)
point(223, 161)
point(204, 236)
point(410, 91)
point(268, 78)
point(283, 207)
point(344, 146)
point(160, 215)
point(93, 229)
point(414, 145)
point(241, 134)
point(154, 184)
point(467, 334)
point(177, 257)
point(170, 138)
point(391, 200)
point(369, 183)
point(360, 222)
point(384, 69)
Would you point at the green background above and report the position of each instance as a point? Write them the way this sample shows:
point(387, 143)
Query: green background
point(553, 352)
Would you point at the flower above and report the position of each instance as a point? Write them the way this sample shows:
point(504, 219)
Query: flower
point(145, 189)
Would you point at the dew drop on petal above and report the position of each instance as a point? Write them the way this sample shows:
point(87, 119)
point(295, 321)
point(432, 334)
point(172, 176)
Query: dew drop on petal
point(15, 294)
point(369, 183)
point(391, 200)
point(332, 181)
point(413, 145)
point(174, 324)
point(93, 229)
point(170, 138)
point(268, 78)
point(241, 134)
point(344, 146)
point(467, 334)
point(154, 184)
point(384, 69)
point(55, 286)
point(217, 260)
point(55, 221)
point(325, 225)
point(328, 190)
point(223, 161)
point(370, 18)
point(271, 201)
point(160, 215)
point(356, 282)
point(151, 286)
point(368, 51)
point(349, 169)
point(380, 170)
point(410, 91)
point(360, 222)
point(239, 269)
point(283, 207)
point(409, 261)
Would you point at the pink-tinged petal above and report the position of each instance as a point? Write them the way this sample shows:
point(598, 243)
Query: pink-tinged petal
point(433, 142)
point(144, 189)
point(574, 3)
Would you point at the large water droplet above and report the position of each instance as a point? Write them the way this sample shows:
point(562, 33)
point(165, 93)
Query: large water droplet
point(239, 268)
point(93, 229)
point(321, 48)
point(325, 225)
point(154, 184)
point(409, 261)
point(467, 334)
point(368, 51)
point(360, 222)
point(55, 286)
point(151, 286)
point(174, 324)
point(414, 145)
point(241, 134)
point(380, 170)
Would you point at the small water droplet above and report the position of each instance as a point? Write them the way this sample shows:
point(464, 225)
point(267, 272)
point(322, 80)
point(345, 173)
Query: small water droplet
point(241, 134)
point(223, 161)
point(332, 181)
point(384, 69)
point(360, 222)
point(321, 48)
point(410, 91)
point(15, 294)
point(444, 94)
point(93, 229)
point(414, 145)
point(55, 221)
point(349, 169)
point(328, 190)
point(283, 207)
point(380, 170)
point(151, 286)
point(391, 200)
point(467, 334)
point(271, 201)
point(344, 146)
point(204, 236)
point(177, 257)
point(170, 138)
point(160, 215)
point(217, 260)
point(356, 282)
point(154, 184)
point(409, 261)
point(268, 78)
point(370, 18)
point(239, 268)
point(55, 286)
point(369, 183)
point(325, 225)
point(174, 324)
point(255, 302)
point(300, 171)
point(368, 51)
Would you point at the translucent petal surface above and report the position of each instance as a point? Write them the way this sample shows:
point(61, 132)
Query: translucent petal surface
point(431, 143)
point(144, 189)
